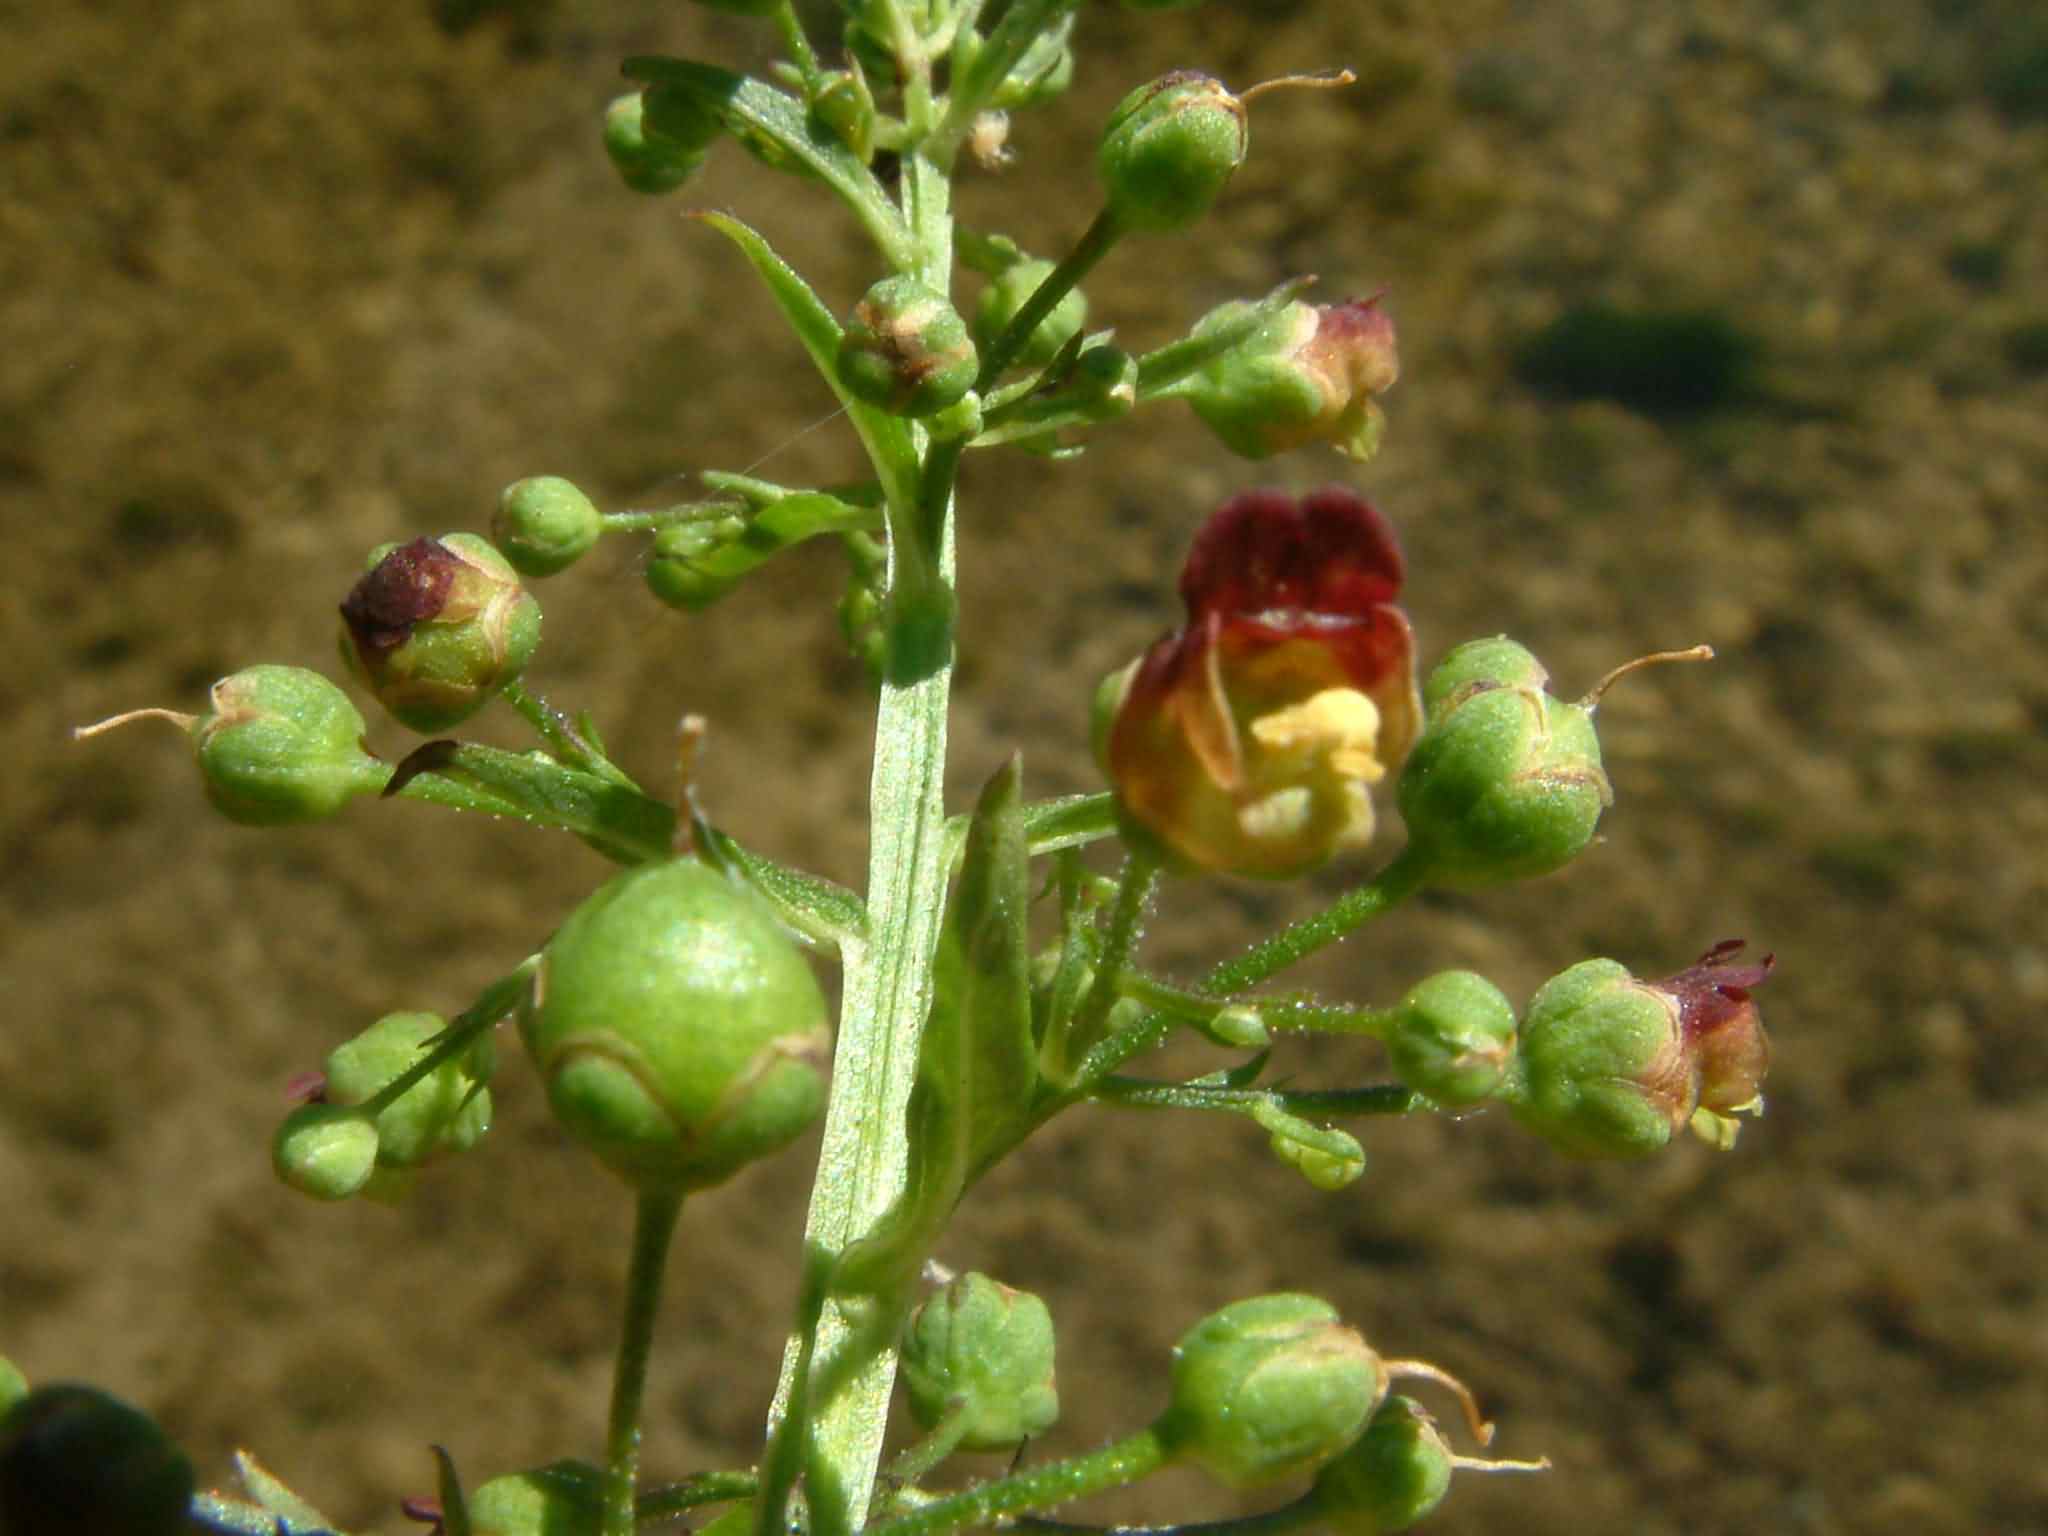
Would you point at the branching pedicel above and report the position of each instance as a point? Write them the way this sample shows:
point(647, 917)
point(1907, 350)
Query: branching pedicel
point(675, 1020)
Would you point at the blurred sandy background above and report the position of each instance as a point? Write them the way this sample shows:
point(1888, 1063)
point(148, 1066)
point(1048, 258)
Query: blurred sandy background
point(278, 282)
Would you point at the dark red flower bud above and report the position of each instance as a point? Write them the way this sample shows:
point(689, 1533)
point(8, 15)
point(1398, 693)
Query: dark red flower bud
point(1247, 741)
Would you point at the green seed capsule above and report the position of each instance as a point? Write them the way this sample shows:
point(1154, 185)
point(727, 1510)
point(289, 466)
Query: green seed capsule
point(1453, 1038)
point(544, 525)
point(647, 161)
point(1269, 1387)
point(680, 1033)
point(282, 745)
point(1169, 150)
point(75, 1461)
point(982, 1348)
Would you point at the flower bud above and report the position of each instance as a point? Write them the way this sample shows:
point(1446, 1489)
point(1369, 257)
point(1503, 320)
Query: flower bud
point(1004, 298)
point(1506, 782)
point(544, 525)
point(1169, 149)
point(564, 1498)
point(1613, 1067)
point(680, 1033)
point(984, 1350)
point(1309, 375)
point(1452, 1039)
point(907, 349)
point(649, 161)
point(1269, 1387)
point(1247, 742)
point(1397, 1473)
point(437, 627)
point(325, 1151)
point(282, 745)
point(75, 1461)
point(448, 1110)
point(679, 571)
point(1104, 383)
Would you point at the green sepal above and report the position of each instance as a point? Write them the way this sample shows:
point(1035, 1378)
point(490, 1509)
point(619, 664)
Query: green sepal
point(887, 438)
point(1072, 821)
point(764, 119)
point(1328, 1158)
point(454, 1507)
point(977, 1061)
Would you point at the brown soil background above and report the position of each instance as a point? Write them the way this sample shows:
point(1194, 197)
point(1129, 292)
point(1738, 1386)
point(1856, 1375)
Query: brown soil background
point(278, 282)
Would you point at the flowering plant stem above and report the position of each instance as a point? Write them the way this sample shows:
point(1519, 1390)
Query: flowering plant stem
point(654, 1224)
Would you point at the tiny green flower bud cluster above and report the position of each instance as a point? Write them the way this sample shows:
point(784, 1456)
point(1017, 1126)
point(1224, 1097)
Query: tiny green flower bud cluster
point(979, 1349)
point(1506, 781)
point(544, 525)
point(1169, 150)
point(1004, 298)
point(1268, 1388)
point(325, 1151)
point(907, 350)
point(445, 1112)
point(75, 1461)
point(436, 627)
point(679, 1031)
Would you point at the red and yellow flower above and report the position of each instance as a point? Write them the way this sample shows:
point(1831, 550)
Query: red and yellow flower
point(1248, 741)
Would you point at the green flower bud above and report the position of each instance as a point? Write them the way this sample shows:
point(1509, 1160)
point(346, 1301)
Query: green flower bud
point(1505, 782)
point(1397, 1473)
point(437, 627)
point(1604, 1068)
point(678, 572)
point(648, 161)
point(1452, 1039)
point(75, 1461)
point(1044, 71)
point(680, 1033)
point(282, 745)
point(446, 1111)
point(907, 349)
point(325, 1151)
point(1104, 383)
point(982, 1349)
point(1310, 374)
point(1005, 296)
point(1170, 148)
point(13, 1385)
point(544, 525)
point(564, 1498)
point(1269, 1387)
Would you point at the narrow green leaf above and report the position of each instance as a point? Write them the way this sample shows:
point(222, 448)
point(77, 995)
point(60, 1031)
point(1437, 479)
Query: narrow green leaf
point(262, 1486)
point(826, 914)
point(778, 125)
point(1073, 821)
point(617, 820)
point(454, 1508)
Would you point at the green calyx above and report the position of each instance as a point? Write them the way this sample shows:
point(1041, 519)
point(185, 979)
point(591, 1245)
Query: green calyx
point(325, 1151)
point(448, 1110)
point(281, 745)
point(436, 627)
point(1506, 781)
point(1256, 397)
point(544, 525)
point(680, 1033)
point(1268, 1388)
point(1601, 1064)
point(1169, 150)
point(1452, 1039)
point(907, 350)
point(981, 1350)
point(76, 1461)
point(649, 160)
point(1398, 1472)
point(1005, 296)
